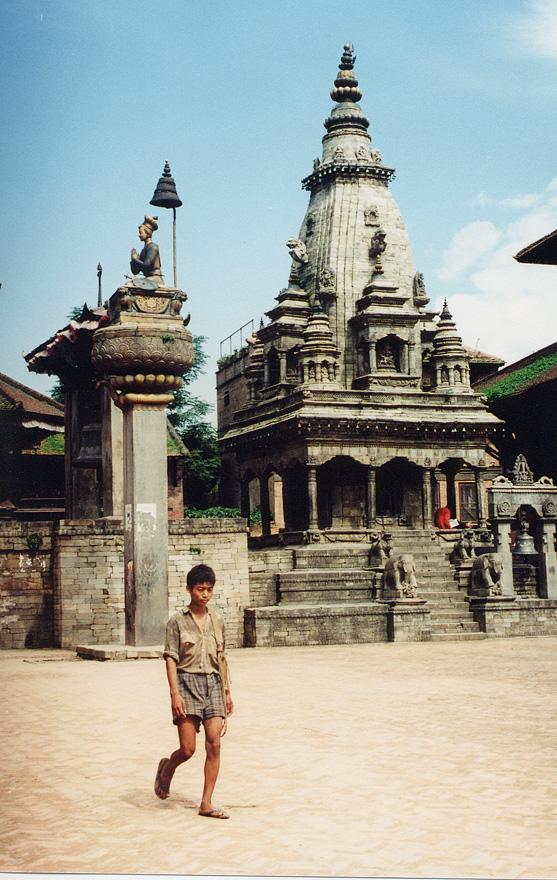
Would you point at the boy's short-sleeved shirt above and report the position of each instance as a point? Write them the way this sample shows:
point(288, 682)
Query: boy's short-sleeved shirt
point(193, 650)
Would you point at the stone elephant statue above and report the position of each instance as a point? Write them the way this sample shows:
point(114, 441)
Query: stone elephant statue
point(400, 577)
point(485, 577)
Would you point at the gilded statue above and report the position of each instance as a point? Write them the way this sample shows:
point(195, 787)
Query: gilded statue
point(148, 261)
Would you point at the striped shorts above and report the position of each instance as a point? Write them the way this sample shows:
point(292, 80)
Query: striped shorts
point(202, 694)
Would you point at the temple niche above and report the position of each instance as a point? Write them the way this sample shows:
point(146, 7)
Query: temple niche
point(354, 392)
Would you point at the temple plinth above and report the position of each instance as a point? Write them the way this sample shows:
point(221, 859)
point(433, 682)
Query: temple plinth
point(140, 355)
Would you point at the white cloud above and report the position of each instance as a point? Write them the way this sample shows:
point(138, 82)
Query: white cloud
point(510, 307)
point(467, 247)
point(520, 202)
point(536, 29)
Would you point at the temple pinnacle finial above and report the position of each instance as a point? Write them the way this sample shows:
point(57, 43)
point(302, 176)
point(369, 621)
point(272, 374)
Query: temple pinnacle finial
point(346, 83)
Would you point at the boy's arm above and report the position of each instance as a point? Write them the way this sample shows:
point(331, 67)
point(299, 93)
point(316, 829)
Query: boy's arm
point(176, 698)
point(228, 695)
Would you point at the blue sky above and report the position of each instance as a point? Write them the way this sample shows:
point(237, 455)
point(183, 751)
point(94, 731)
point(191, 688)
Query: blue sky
point(462, 101)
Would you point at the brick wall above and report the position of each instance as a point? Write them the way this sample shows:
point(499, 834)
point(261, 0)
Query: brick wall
point(70, 590)
point(26, 587)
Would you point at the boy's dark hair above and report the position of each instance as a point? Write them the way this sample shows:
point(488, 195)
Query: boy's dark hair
point(200, 574)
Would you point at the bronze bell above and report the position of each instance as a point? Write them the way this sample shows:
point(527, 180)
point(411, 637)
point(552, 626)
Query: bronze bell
point(524, 544)
point(89, 455)
point(165, 194)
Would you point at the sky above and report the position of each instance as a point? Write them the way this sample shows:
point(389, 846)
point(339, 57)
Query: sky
point(96, 96)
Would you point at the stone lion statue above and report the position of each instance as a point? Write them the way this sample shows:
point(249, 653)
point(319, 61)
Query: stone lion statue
point(464, 547)
point(400, 576)
point(297, 250)
point(485, 577)
point(380, 548)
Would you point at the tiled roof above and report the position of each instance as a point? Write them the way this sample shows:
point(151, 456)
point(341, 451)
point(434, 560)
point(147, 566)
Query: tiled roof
point(13, 395)
point(481, 357)
point(535, 369)
point(543, 251)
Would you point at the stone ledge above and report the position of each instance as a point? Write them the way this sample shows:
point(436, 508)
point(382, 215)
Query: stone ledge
point(119, 652)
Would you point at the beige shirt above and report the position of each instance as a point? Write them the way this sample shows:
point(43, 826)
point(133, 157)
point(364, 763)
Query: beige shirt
point(193, 650)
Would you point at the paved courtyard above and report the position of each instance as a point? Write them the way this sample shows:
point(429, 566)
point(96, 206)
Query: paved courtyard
point(410, 760)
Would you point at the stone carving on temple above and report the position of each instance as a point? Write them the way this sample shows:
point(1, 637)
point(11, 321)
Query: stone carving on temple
point(327, 279)
point(378, 247)
point(376, 156)
point(521, 472)
point(371, 216)
point(297, 250)
point(419, 294)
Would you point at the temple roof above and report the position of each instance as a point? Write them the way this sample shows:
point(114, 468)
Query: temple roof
point(535, 369)
point(33, 406)
point(543, 251)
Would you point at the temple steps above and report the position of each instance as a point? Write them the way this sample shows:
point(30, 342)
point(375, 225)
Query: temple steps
point(330, 593)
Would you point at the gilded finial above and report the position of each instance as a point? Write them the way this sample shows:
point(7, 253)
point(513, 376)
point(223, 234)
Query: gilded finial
point(346, 83)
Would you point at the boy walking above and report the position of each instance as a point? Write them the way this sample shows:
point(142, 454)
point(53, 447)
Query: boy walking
point(197, 673)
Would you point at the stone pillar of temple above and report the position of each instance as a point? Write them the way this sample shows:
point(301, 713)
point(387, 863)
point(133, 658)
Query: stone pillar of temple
point(282, 365)
point(501, 527)
point(312, 497)
point(112, 452)
point(265, 505)
point(480, 496)
point(548, 560)
point(145, 523)
point(371, 496)
point(427, 497)
point(244, 498)
point(140, 356)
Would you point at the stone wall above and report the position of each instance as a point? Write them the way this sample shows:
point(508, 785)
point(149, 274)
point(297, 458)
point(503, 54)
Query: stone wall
point(26, 585)
point(222, 544)
point(519, 617)
point(70, 590)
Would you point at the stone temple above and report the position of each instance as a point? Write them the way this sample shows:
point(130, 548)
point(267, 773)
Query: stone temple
point(351, 411)
point(353, 394)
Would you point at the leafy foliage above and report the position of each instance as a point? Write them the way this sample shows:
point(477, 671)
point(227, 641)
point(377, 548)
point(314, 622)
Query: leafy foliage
point(516, 381)
point(187, 410)
point(212, 512)
point(202, 468)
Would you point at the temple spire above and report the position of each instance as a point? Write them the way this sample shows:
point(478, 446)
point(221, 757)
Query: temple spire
point(346, 95)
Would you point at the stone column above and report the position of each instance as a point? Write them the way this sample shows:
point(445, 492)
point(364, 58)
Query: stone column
point(372, 356)
point(548, 560)
point(282, 365)
point(371, 496)
point(312, 497)
point(480, 498)
point(265, 506)
point(112, 456)
point(145, 524)
point(501, 528)
point(412, 358)
point(140, 356)
point(404, 358)
point(427, 498)
point(244, 497)
point(266, 371)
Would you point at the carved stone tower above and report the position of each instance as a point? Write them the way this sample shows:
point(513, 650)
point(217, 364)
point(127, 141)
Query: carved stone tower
point(352, 397)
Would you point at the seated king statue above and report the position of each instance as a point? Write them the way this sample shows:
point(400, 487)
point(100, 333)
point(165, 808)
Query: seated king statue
point(148, 261)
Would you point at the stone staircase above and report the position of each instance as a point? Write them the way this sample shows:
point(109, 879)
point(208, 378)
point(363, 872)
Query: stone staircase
point(450, 615)
point(328, 594)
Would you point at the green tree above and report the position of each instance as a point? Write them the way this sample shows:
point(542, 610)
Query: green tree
point(187, 410)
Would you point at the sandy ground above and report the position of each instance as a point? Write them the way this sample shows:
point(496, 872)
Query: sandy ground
point(411, 760)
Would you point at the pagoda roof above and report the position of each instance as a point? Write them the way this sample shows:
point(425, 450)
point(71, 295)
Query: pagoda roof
point(543, 251)
point(33, 405)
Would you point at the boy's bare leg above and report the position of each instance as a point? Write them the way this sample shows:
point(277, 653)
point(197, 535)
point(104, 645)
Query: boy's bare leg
point(187, 729)
point(213, 729)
